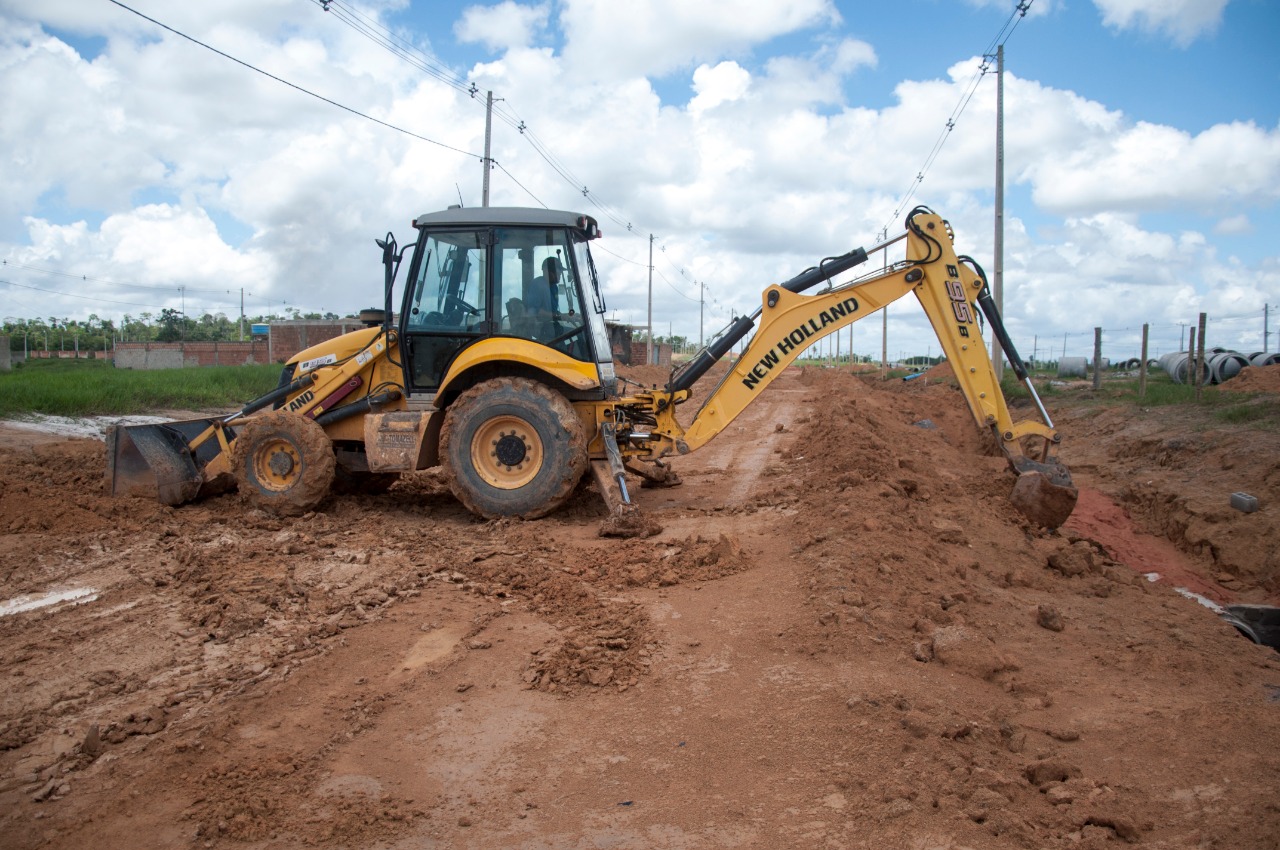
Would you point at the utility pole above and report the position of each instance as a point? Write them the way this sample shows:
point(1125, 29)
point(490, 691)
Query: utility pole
point(242, 314)
point(702, 301)
point(884, 317)
point(1266, 308)
point(488, 138)
point(997, 355)
point(652, 359)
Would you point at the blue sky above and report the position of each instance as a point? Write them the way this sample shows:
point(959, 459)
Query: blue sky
point(752, 138)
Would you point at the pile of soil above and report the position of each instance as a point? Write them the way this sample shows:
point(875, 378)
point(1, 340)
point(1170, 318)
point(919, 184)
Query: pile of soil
point(1254, 379)
point(844, 636)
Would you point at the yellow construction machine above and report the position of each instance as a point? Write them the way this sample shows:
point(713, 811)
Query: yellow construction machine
point(498, 369)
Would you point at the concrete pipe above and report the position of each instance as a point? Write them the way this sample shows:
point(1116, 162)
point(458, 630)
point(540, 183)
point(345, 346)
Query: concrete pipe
point(1263, 358)
point(1072, 367)
point(1132, 363)
point(1178, 364)
point(1225, 365)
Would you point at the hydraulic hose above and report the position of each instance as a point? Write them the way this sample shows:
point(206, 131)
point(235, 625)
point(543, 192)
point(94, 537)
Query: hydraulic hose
point(275, 395)
point(988, 305)
point(807, 279)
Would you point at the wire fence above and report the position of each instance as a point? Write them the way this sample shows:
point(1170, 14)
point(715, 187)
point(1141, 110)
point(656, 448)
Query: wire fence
point(1248, 334)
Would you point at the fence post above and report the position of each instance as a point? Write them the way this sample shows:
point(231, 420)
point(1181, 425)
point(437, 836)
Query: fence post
point(1097, 358)
point(1200, 355)
point(1191, 358)
point(1142, 365)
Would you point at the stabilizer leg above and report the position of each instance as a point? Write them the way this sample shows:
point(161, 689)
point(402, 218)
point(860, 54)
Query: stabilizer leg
point(625, 518)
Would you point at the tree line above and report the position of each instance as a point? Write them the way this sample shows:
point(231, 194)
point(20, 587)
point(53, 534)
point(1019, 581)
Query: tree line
point(99, 334)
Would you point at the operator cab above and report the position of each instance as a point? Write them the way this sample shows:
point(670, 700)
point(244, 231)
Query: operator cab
point(487, 272)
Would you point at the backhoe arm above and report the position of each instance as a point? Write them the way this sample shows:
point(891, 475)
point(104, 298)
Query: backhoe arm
point(948, 287)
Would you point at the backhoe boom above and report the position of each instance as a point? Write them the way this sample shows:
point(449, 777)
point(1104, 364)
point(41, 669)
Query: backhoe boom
point(949, 289)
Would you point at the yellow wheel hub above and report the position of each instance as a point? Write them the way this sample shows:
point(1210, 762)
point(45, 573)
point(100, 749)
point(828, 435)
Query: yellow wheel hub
point(277, 465)
point(506, 452)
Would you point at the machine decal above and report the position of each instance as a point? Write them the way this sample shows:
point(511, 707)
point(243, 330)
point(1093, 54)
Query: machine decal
point(959, 303)
point(368, 354)
point(302, 400)
point(796, 339)
point(323, 360)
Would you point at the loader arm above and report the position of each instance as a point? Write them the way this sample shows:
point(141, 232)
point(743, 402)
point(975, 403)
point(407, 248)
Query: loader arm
point(948, 287)
point(179, 461)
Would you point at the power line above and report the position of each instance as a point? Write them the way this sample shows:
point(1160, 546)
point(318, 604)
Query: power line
point(343, 107)
point(399, 47)
point(107, 282)
point(374, 31)
point(517, 182)
point(82, 297)
point(1010, 24)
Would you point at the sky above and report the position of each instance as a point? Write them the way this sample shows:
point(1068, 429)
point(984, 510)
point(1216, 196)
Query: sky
point(143, 170)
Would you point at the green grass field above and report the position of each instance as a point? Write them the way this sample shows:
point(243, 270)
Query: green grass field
point(96, 388)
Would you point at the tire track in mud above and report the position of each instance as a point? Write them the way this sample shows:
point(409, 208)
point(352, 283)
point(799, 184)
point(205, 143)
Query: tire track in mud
point(726, 472)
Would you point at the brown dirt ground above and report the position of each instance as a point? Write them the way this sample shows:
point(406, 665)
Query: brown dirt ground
point(844, 637)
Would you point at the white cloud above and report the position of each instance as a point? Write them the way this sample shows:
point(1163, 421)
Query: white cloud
point(763, 171)
point(158, 256)
point(1150, 166)
point(727, 81)
point(1236, 225)
point(1183, 21)
point(851, 54)
point(606, 38)
point(505, 26)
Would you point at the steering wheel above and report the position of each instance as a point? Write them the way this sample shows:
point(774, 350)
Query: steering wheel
point(453, 302)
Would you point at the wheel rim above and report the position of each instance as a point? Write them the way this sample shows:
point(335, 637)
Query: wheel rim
point(506, 452)
point(277, 465)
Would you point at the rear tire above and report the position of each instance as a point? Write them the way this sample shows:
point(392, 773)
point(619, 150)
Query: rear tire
point(512, 447)
point(283, 462)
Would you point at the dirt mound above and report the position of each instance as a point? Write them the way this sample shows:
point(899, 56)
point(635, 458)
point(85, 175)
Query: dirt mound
point(1174, 470)
point(845, 636)
point(1254, 379)
point(940, 372)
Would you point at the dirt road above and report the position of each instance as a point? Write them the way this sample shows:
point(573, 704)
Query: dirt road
point(844, 637)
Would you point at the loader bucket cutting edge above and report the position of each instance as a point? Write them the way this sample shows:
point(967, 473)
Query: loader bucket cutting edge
point(154, 461)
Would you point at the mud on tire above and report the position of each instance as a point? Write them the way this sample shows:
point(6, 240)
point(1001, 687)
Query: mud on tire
point(283, 462)
point(512, 447)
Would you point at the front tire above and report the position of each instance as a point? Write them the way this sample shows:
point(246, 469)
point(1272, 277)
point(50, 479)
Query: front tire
point(283, 462)
point(512, 447)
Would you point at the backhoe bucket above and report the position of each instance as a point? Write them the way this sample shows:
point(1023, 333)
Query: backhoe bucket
point(157, 461)
point(1043, 492)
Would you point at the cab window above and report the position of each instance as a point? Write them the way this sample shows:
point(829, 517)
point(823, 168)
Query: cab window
point(449, 293)
point(537, 289)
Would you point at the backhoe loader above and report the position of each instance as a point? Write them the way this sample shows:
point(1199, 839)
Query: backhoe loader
point(498, 369)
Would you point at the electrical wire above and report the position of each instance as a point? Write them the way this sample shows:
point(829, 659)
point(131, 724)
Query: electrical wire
point(502, 168)
point(399, 47)
point(295, 86)
point(1010, 24)
point(110, 282)
point(81, 297)
point(374, 31)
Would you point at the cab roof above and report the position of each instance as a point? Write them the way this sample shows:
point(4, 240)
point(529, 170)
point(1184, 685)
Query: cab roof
point(508, 216)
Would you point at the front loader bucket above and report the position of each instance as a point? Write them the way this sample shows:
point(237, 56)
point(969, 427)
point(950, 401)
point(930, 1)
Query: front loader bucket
point(1043, 492)
point(157, 461)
